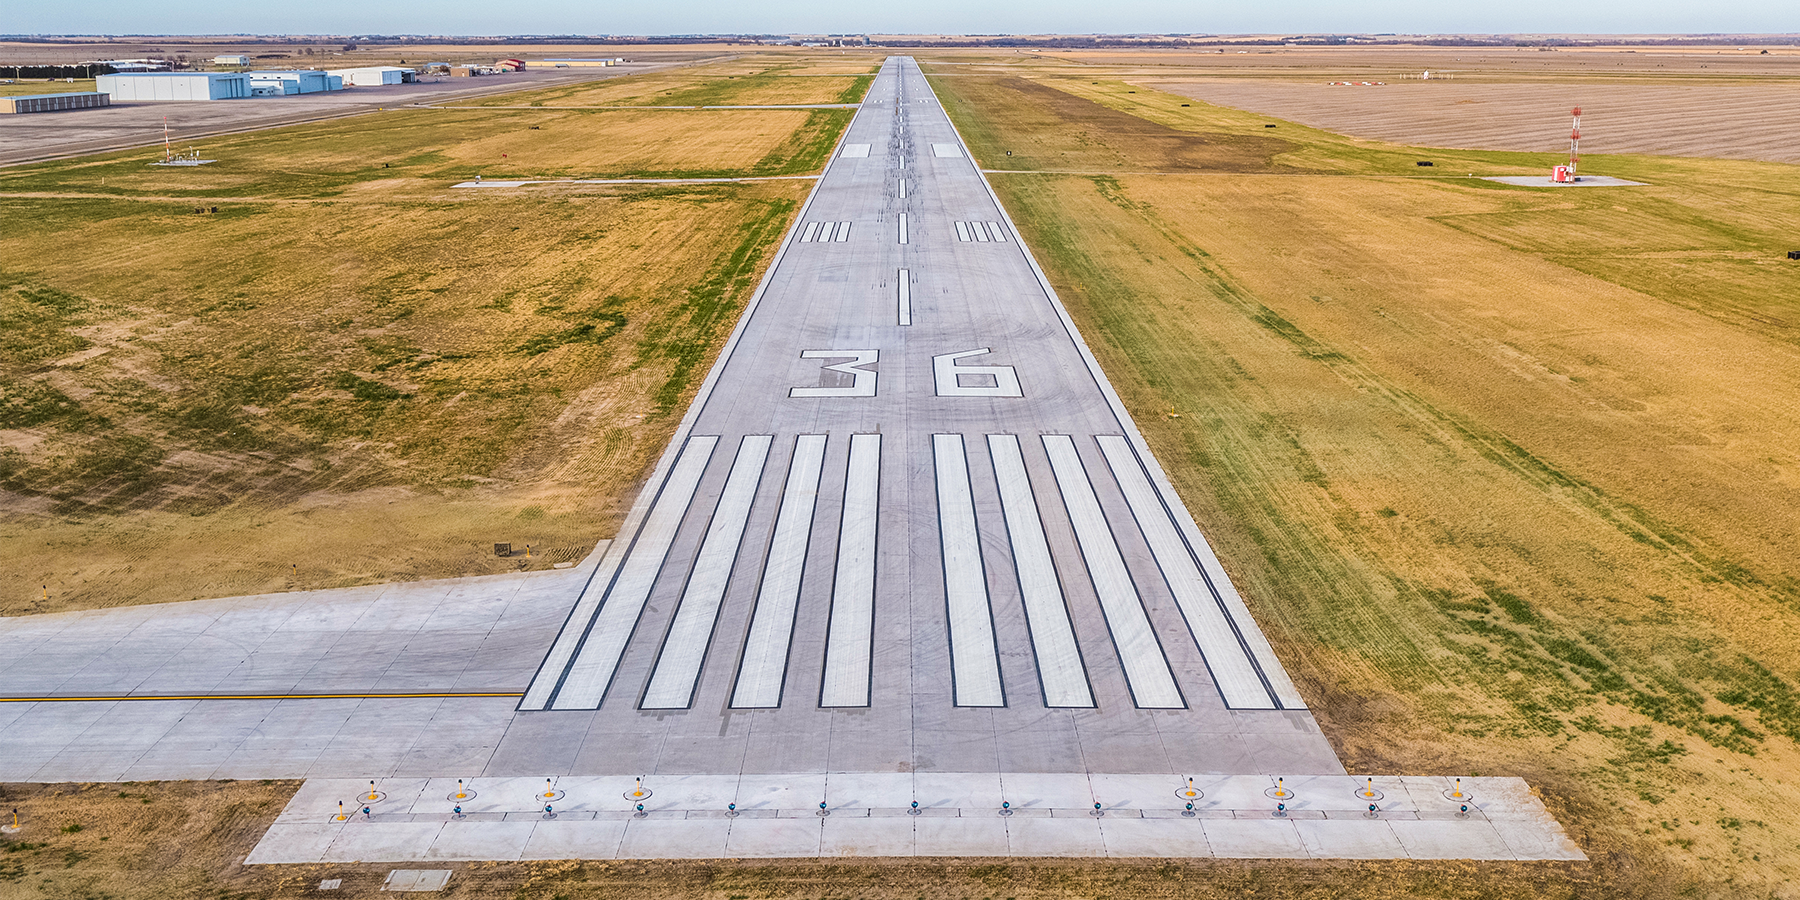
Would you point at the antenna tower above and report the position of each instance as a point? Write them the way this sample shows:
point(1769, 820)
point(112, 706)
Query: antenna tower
point(1575, 143)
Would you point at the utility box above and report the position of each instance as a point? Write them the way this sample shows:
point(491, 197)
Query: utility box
point(1560, 174)
point(502, 550)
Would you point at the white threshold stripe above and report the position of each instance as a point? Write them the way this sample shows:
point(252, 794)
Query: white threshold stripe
point(764, 666)
point(905, 297)
point(1234, 604)
point(812, 230)
point(903, 228)
point(998, 234)
point(684, 648)
point(980, 231)
point(604, 644)
point(843, 232)
point(849, 640)
point(962, 231)
point(1146, 669)
point(1060, 669)
point(974, 658)
point(1232, 671)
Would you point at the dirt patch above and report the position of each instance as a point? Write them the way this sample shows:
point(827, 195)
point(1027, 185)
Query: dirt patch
point(1045, 128)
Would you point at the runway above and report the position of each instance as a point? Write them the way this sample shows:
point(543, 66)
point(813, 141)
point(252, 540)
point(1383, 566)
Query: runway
point(907, 524)
point(907, 581)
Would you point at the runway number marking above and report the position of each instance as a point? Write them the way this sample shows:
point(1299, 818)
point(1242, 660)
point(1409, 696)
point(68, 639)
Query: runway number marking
point(862, 380)
point(949, 377)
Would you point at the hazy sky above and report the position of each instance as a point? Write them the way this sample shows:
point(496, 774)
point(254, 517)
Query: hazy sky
point(909, 16)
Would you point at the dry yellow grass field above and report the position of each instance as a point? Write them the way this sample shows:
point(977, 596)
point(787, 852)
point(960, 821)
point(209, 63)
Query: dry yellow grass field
point(316, 363)
point(738, 82)
point(1510, 487)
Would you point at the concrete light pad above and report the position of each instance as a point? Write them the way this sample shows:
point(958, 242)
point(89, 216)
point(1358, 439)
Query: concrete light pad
point(1544, 181)
point(1145, 822)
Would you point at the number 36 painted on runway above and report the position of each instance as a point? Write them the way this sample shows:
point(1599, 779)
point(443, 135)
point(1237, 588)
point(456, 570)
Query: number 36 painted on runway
point(950, 379)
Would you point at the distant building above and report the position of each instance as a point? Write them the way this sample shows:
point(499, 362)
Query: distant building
point(510, 65)
point(376, 75)
point(231, 60)
point(31, 103)
point(581, 63)
point(299, 81)
point(137, 86)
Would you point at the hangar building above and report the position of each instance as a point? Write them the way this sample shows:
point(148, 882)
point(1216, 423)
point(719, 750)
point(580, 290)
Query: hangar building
point(174, 86)
point(373, 75)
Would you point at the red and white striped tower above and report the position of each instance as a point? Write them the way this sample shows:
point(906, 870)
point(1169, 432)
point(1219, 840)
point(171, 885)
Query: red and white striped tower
point(1575, 144)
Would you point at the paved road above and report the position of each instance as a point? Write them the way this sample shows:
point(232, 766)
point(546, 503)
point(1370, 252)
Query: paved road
point(906, 527)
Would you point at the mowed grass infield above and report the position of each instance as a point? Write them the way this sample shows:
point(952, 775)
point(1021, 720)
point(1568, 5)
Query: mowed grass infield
point(314, 363)
point(1507, 474)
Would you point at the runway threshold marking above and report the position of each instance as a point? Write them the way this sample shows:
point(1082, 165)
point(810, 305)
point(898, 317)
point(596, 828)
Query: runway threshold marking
point(905, 300)
point(1213, 631)
point(592, 659)
point(1140, 654)
point(107, 698)
point(764, 664)
point(850, 635)
point(1060, 669)
point(974, 657)
point(677, 670)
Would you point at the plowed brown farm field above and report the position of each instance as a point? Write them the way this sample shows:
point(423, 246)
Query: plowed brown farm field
point(1731, 121)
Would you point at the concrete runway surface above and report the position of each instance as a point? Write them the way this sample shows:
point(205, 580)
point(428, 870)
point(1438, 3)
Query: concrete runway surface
point(906, 531)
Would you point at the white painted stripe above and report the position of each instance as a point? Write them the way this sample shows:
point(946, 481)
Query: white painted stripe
point(611, 629)
point(902, 162)
point(684, 648)
point(1226, 657)
point(764, 666)
point(855, 151)
point(903, 228)
point(980, 231)
point(999, 235)
point(1146, 670)
point(827, 231)
point(812, 228)
point(1052, 633)
point(905, 297)
point(903, 185)
point(962, 231)
point(974, 658)
point(1209, 561)
point(850, 637)
point(946, 151)
point(843, 232)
